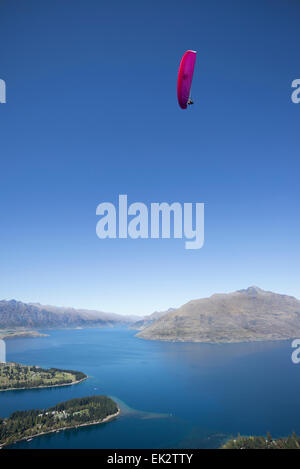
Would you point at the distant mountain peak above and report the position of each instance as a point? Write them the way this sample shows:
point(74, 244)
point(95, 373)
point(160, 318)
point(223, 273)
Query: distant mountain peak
point(253, 290)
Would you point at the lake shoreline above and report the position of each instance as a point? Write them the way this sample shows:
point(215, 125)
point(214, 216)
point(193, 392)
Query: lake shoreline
point(213, 342)
point(57, 430)
point(47, 386)
point(22, 335)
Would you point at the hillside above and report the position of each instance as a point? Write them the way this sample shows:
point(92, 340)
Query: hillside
point(245, 315)
point(263, 442)
point(16, 314)
point(150, 319)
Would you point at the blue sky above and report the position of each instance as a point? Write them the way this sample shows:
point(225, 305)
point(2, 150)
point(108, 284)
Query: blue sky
point(91, 113)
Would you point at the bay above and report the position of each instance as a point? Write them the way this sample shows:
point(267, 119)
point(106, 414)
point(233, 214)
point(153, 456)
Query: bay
point(172, 395)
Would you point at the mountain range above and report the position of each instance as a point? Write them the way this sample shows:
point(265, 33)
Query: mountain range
point(16, 314)
point(246, 315)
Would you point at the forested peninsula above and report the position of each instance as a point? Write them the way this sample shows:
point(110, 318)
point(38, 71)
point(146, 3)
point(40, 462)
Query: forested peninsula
point(27, 424)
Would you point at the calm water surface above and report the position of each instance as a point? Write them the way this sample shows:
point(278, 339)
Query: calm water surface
point(178, 395)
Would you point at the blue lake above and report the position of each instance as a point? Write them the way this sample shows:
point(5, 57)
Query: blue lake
point(172, 395)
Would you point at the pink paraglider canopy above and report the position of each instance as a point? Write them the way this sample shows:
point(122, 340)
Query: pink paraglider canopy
point(185, 76)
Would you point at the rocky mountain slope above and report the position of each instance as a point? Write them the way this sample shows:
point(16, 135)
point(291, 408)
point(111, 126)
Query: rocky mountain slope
point(245, 315)
point(150, 319)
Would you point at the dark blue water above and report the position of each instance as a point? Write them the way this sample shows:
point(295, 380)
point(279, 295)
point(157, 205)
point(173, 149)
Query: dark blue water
point(176, 395)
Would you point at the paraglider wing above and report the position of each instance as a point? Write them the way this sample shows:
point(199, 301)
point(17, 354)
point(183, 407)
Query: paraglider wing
point(185, 76)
